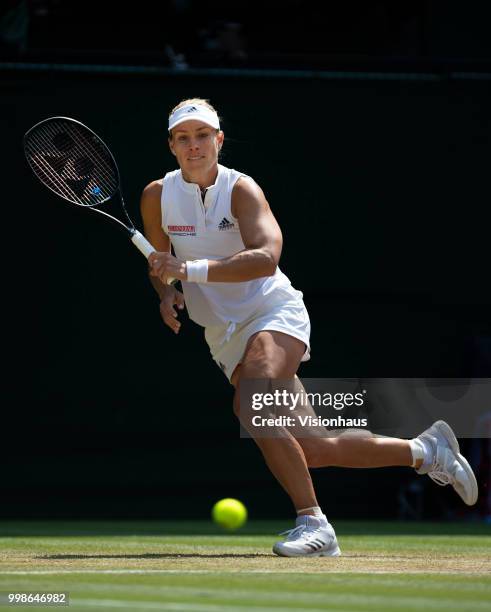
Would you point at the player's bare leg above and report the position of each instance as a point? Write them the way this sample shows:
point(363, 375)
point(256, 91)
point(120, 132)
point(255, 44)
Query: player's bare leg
point(357, 450)
point(274, 355)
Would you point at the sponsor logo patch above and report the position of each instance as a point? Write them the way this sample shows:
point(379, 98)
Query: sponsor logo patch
point(182, 230)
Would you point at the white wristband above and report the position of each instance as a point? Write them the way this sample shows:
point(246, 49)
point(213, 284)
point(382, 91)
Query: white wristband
point(197, 271)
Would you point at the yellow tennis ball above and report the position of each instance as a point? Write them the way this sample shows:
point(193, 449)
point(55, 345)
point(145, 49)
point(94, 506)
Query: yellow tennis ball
point(229, 513)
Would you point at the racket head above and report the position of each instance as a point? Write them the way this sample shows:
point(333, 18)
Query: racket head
point(72, 161)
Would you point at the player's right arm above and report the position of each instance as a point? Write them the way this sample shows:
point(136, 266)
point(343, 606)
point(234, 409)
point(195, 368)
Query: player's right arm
point(154, 233)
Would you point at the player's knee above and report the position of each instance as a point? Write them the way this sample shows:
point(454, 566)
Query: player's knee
point(260, 367)
point(262, 359)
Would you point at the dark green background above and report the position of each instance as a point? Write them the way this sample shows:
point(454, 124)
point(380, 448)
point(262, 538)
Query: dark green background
point(381, 190)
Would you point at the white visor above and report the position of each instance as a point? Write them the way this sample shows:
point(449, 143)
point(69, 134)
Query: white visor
point(197, 112)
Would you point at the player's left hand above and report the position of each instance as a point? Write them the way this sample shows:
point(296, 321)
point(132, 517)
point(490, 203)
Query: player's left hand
point(165, 265)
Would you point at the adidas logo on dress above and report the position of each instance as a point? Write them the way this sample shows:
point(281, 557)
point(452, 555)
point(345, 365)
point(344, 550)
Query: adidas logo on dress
point(225, 224)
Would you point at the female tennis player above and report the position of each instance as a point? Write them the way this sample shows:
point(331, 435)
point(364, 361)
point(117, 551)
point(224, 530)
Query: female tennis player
point(227, 246)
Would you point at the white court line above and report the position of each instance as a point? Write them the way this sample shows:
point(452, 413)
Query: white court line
point(187, 607)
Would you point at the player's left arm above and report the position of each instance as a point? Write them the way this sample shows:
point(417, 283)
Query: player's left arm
point(260, 233)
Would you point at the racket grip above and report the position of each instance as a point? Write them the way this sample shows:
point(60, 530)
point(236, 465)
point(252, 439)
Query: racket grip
point(142, 244)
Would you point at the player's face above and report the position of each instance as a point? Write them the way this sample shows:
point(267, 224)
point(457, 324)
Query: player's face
point(195, 145)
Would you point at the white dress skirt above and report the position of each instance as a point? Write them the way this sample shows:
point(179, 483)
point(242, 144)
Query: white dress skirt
point(228, 342)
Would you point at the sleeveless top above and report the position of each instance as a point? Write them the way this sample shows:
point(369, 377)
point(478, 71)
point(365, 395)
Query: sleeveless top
point(206, 229)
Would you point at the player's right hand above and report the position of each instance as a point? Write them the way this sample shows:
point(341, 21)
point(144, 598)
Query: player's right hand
point(171, 298)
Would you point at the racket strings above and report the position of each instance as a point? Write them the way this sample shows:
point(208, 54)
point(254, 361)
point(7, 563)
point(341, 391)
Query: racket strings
point(44, 154)
point(70, 160)
point(99, 157)
point(44, 170)
point(51, 165)
point(106, 186)
point(100, 160)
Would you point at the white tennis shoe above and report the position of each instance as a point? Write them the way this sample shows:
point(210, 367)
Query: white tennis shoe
point(447, 465)
point(311, 537)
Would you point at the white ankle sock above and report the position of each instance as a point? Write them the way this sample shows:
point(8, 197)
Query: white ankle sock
point(315, 510)
point(419, 450)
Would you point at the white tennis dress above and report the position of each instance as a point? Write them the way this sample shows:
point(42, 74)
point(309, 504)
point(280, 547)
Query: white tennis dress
point(230, 312)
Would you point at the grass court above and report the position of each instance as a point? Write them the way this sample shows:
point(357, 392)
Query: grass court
point(196, 567)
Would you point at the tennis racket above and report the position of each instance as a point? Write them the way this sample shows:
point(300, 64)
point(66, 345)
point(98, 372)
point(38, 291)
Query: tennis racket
point(73, 162)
